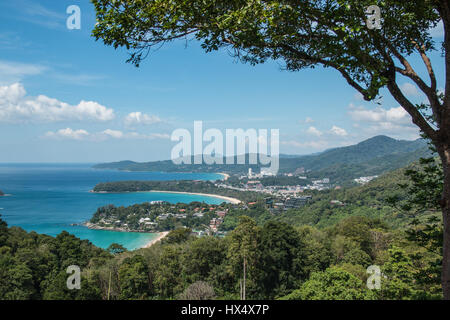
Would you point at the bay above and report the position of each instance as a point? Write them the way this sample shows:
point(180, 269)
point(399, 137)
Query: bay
point(49, 198)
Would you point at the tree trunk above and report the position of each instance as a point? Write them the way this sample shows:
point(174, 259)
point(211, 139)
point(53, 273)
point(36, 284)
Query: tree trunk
point(244, 276)
point(444, 153)
point(240, 289)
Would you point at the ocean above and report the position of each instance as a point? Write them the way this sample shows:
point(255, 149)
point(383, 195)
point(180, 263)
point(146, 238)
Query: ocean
point(49, 198)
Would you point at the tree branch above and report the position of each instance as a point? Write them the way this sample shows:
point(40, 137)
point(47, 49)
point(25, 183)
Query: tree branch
point(409, 72)
point(428, 64)
point(444, 12)
point(416, 116)
point(304, 56)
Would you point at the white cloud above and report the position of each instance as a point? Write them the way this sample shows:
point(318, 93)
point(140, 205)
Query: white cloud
point(379, 115)
point(158, 136)
point(113, 133)
point(151, 136)
point(68, 134)
point(136, 118)
point(307, 144)
point(395, 122)
point(313, 131)
point(77, 79)
point(17, 107)
point(12, 41)
point(33, 12)
point(14, 71)
point(409, 89)
point(338, 131)
point(307, 120)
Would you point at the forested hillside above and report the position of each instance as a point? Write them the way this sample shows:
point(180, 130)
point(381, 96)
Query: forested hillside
point(343, 173)
point(371, 157)
point(282, 262)
point(321, 251)
point(33, 266)
point(176, 185)
point(328, 207)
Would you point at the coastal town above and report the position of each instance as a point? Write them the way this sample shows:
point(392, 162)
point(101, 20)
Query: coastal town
point(254, 183)
point(208, 219)
point(251, 182)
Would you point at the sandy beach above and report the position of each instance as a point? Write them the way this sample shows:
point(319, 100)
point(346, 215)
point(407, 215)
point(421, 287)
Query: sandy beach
point(231, 200)
point(158, 238)
point(225, 176)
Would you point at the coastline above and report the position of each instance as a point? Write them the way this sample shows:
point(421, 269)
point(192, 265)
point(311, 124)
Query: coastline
point(231, 200)
point(160, 236)
point(225, 176)
point(92, 226)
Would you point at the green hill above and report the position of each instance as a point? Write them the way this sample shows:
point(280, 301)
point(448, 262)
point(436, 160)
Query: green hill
point(346, 172)
point(329, 207)
point(374, 156)
point(379, 147)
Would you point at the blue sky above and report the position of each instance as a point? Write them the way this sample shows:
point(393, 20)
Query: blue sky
point(66, 98)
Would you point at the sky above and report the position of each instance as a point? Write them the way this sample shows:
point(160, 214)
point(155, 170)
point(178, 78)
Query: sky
point(66, 98)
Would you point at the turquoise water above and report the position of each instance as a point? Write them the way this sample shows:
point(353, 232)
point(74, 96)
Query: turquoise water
point(48, 198)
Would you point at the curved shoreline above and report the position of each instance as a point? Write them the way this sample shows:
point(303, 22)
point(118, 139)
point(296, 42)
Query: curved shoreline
point(225, 176)
point(160, 236)
point(231, 200)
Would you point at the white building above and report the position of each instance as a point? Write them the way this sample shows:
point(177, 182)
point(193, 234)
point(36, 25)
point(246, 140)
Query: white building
point(266, 172)
point(364, 180)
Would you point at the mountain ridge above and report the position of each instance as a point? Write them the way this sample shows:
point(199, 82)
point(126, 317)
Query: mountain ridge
point(372, 156)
